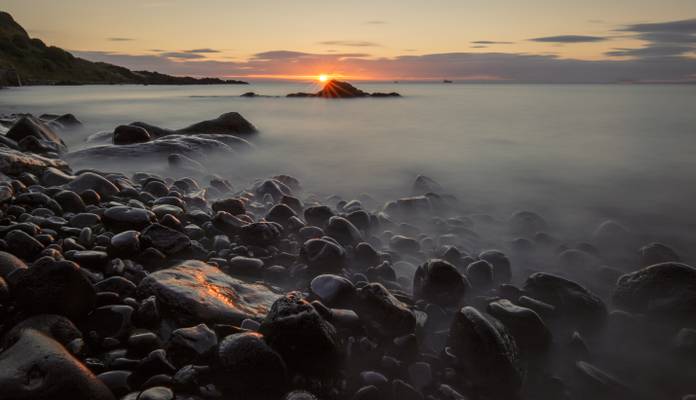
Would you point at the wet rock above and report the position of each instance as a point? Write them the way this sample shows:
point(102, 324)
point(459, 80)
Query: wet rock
point(56, 326)
point(249, 367)
point(305, 340)
point(656, 253)
point(667, 289)
point(244, 266)
point(116, 381)
point(112, 321)
point(231, 123)
point(343, 231)
point(485, 352)
point(166, 240)
point(424, 184)
point(480, 274)
point(227, 223)
point(260, 233)
point(232, 206)
point(570, 299)
point(404, 244)
point(439, 282)
point(122, 218)
point(383, 314)
point(601, 384)
point(156, 393)
point(9, 263)
point(53, 287)
point(90, 180)
point(15, 162)
point(502, 271)
point(527, 223)
point(323, 255)
point(37, 367)
point(33, 127)
point(333, 290)
point(318, 215)
point(525, 325)
point(129, 134)
point(125, 244)
point(192, 345)
point(23, 245)
point(281, 214)
point(70, 201)
point(55, 177)
point(116, 284)
point(195, 292)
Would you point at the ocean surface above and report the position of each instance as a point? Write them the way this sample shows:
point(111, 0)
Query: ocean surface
point(577, 154)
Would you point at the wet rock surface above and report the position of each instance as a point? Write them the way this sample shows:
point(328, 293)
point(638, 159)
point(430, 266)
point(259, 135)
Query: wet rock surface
point(151, 286)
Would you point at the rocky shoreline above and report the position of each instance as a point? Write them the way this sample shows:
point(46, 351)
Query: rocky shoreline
point(157, 287)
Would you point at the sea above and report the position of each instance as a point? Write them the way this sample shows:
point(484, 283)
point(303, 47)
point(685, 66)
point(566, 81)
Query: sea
point(576, 154)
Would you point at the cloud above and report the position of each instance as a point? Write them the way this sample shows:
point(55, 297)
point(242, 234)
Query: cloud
point(119, 39)
point(507, 67)
point(375, 22)
point(202, 51)
point(349, 43)
point(681, 26)
point(487, 42)
point(181, 54)
point(569, 39)
point(664, 39)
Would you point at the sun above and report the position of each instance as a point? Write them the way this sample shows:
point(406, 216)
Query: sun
point(323, 78)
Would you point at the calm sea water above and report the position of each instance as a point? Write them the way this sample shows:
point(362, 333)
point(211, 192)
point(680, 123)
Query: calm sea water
point(577, 154)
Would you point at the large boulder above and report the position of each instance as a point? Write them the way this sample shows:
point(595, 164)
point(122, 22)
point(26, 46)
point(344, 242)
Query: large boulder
point(571, 300)
point(32, 127)
point(306, 341)
point(667, 289)
point(37, 367)
point(486, 353)
point(383, 314)
point(96, 182)
point(195, 292)
point(129, 134)
point(231, 123)
point(14, 162)
point(439, 282)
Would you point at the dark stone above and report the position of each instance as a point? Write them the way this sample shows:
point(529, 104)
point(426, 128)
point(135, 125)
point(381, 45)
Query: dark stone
point(23, 245)
point(125, 245)
point(92, 181)
point(156, 188)
point(480, 274)
point(166, 240)
point(92, 259)
point(281, 214)
point(260, 233)
point(318, 215)
point(112, 321)
point(247, 366)
point(306, 341)
point(439, 282)
point(33, 127)
point(571, 300)
point(156, 393)
point(667, 289)
point(37, 367)
point(116, 381)
point(129, 134)
point(502, 272)
point(485, 352)
point(9, 263)
point(525, 325)
point(656, 253)
point(333, 290)
point(193, 345)
point(382, 313)
point(70, 201)
point(323, 255)
point(53, 287)
point(122, 218)
point(231, 123)
point(343, 231)
point(232, 206)
point(56, 326)
point(227, 223)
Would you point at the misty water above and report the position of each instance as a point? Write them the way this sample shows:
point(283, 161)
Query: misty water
point(577, 154)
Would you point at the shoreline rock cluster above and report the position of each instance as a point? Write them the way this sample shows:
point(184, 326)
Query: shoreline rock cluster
point(335, 89)
point(149, 287)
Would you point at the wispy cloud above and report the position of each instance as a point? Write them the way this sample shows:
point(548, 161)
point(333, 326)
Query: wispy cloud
point(202, 51)
point(664, 39)
point(119, 39)
point(569, 39)
point(487, 42)
point(349, 43)
point(182, 55)
point(375, 22)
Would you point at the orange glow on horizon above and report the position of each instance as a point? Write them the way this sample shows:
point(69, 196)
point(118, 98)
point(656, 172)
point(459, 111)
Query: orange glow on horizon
point(323, 78)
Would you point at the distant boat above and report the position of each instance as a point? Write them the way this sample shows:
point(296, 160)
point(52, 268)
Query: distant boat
point(446, 81)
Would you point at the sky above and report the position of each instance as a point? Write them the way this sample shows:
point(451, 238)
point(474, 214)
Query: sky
point(468, 40)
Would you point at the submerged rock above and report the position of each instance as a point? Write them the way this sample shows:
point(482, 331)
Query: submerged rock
point(29, 126)
point(195, 292)
point(334, 89)
point(439, 282)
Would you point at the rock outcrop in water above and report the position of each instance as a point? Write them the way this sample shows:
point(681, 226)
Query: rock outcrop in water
point(334, 89)
point(157, 287)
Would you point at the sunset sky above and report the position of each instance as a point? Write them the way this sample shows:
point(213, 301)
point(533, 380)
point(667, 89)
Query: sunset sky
point(534, 40)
